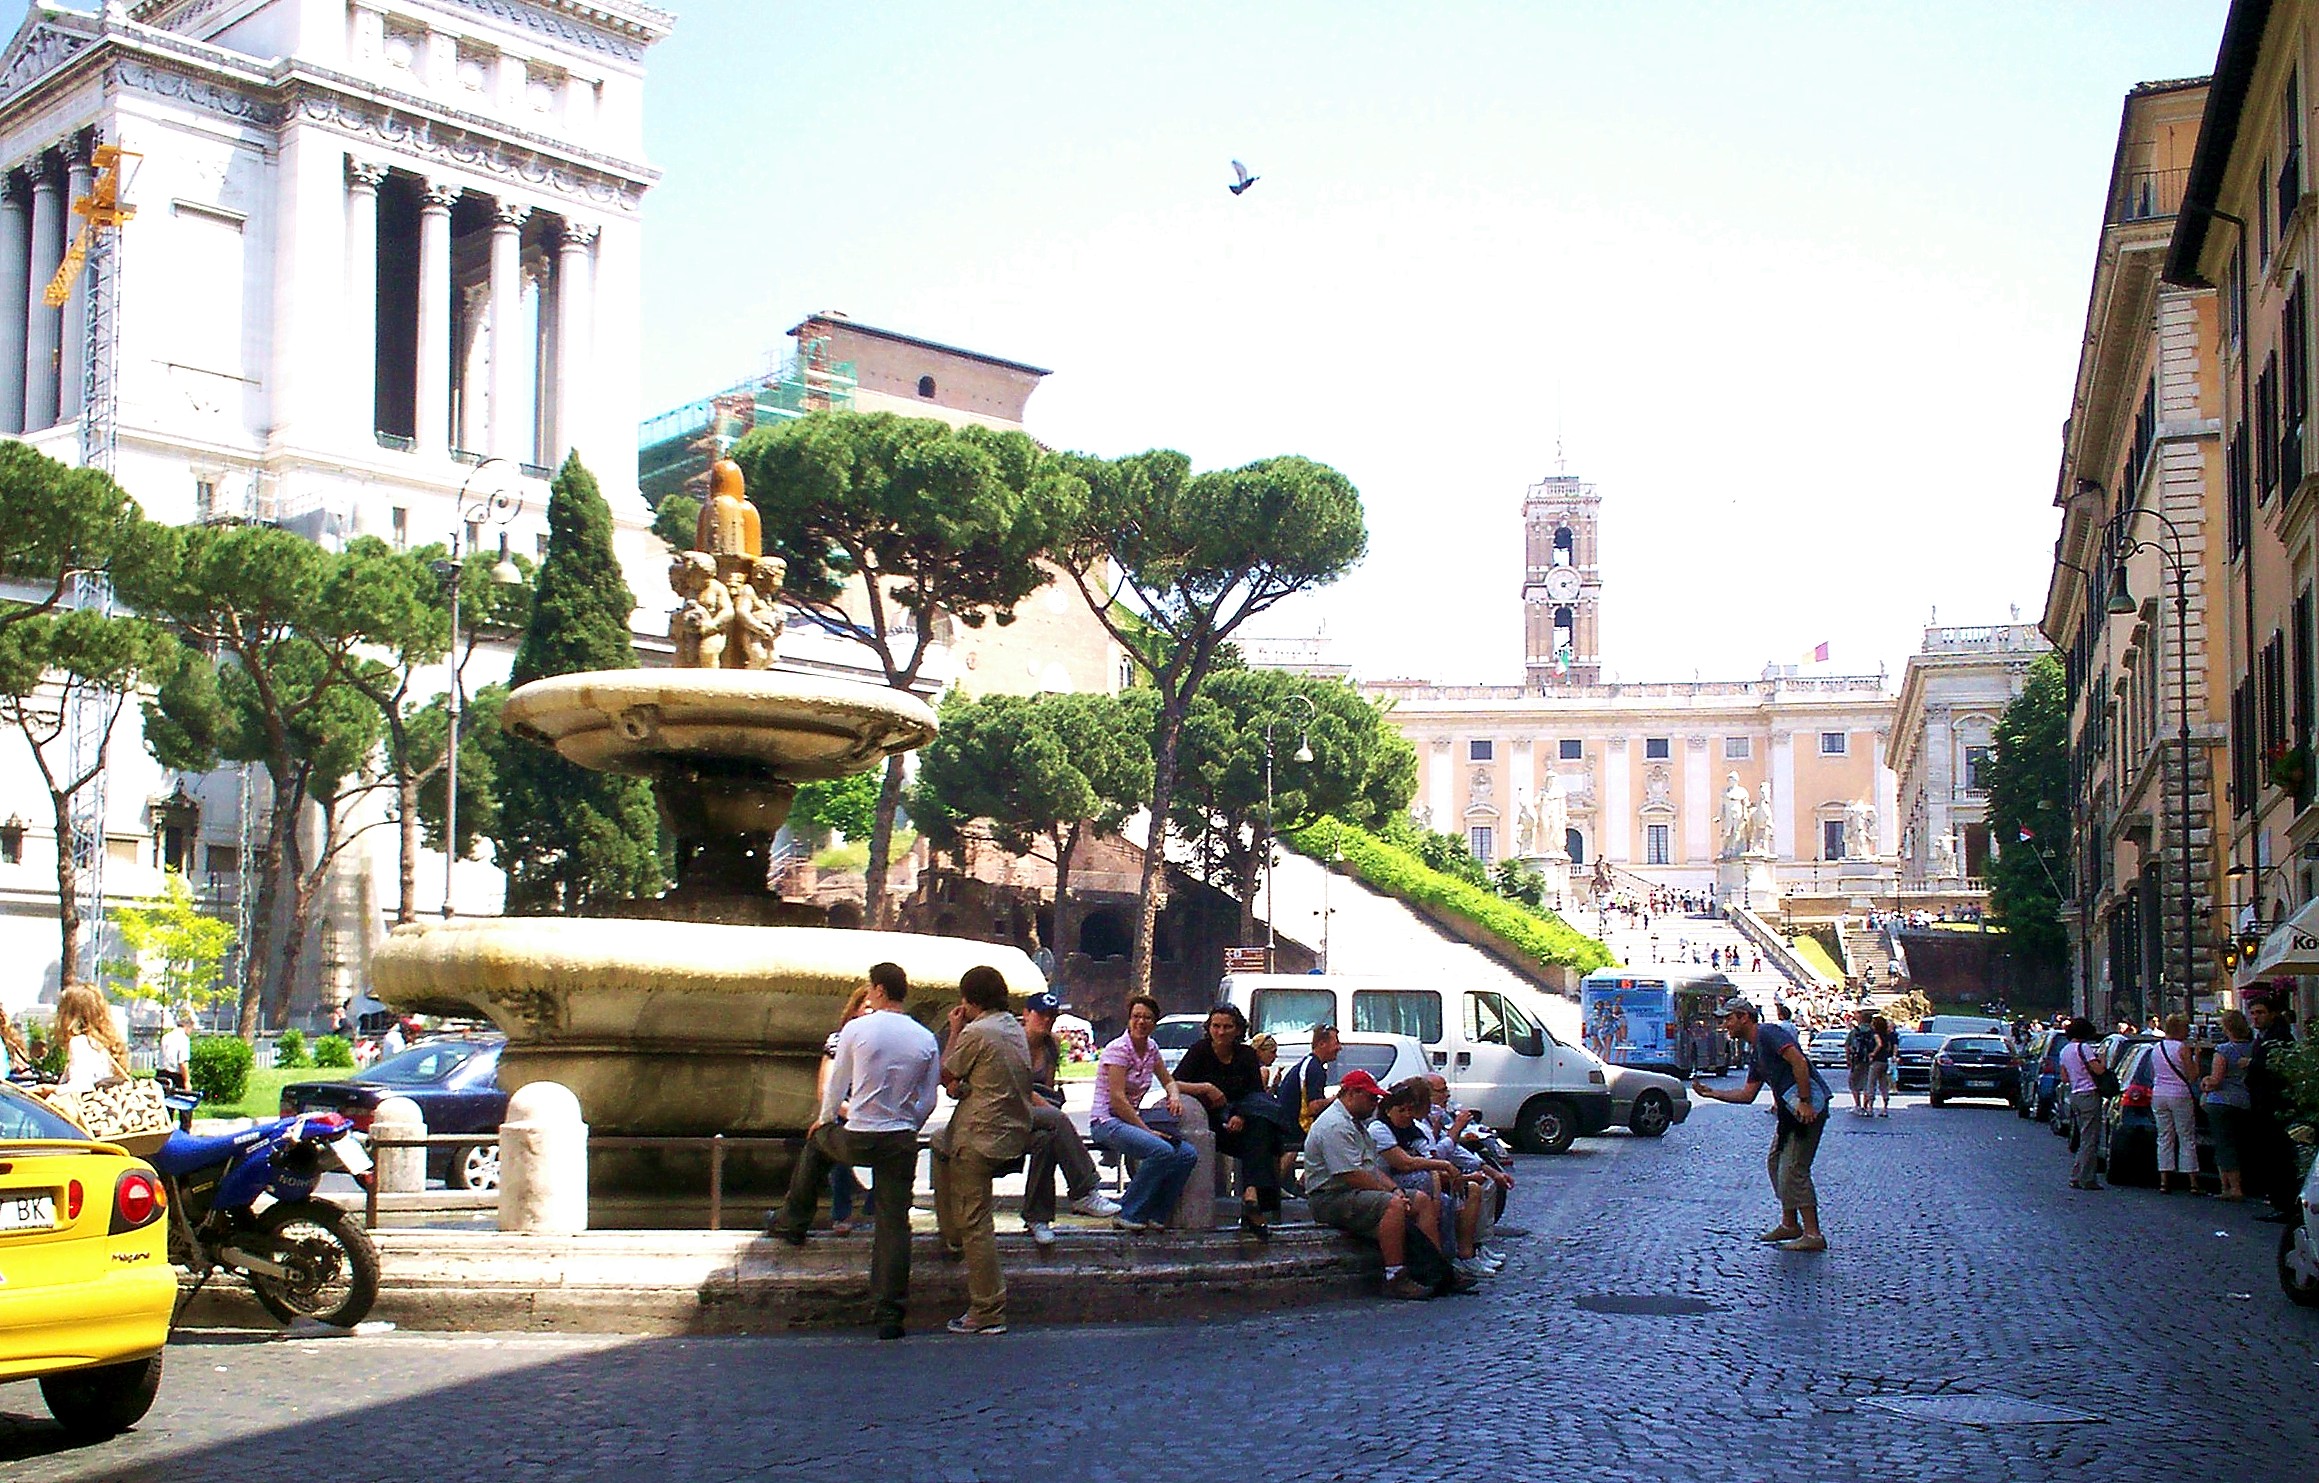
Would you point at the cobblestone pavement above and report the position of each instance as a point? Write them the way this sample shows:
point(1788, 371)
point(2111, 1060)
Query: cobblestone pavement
point(1963, 1266)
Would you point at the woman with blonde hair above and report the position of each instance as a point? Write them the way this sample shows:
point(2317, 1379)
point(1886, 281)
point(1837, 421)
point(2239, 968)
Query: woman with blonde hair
point(94, 1052)
point(13, 1054)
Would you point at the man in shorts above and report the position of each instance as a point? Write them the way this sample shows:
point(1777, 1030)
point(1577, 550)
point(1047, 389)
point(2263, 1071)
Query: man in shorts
point(1347, 1187)
point(1860, 1060)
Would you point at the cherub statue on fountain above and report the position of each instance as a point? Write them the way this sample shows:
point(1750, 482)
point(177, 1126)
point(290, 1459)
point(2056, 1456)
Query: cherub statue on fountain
point(700, 627)
point(757, 618)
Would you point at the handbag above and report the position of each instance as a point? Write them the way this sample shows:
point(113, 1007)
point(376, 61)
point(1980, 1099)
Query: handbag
point(2105, 1080)
point(132, 1114)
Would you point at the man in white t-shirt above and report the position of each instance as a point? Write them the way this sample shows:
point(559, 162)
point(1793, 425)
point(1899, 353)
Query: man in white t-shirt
point(174, 1064)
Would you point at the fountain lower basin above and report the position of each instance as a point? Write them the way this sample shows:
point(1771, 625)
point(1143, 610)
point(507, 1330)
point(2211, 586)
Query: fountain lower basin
point(670, 1028)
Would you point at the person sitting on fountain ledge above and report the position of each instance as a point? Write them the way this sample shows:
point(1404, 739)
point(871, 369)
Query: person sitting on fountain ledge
point(988, 1069)
point(887, 1074)
point(1054, 1142)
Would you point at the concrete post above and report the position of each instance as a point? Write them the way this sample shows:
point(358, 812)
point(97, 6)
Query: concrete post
point(1196, 1211)
point(401, 1171)
point(543, 1162)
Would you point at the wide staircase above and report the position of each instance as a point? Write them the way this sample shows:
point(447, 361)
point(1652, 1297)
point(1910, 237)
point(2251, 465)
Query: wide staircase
point(1676, 940)
point(1368, 932)
point(1866, 950)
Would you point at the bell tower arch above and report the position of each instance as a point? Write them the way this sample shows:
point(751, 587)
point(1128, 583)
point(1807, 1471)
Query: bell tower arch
point(1561, 584)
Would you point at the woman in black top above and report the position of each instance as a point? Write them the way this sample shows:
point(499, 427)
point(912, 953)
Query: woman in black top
point(1223, 1073)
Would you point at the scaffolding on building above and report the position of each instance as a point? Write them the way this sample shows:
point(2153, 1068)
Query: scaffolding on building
point(94, 259)
point(674, 450)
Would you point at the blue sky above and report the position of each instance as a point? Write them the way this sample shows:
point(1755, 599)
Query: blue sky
point(1799, 286)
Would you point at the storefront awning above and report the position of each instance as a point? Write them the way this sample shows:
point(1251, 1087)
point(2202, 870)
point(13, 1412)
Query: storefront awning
point(2291, 948)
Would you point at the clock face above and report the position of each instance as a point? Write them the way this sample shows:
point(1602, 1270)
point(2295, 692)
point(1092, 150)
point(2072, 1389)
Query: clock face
point(1562, 584)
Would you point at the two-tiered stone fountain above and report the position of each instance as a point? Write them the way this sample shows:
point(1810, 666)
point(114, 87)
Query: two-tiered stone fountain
point(702, 1011)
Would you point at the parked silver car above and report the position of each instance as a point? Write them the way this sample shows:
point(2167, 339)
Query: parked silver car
point(1646, 1103)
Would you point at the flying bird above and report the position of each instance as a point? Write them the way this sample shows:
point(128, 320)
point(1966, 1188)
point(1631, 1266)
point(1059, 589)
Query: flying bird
point(1246, 180)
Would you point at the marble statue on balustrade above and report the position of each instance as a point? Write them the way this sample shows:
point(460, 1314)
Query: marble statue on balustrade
point(1760, 830)
point(1860, 830)
point(1943, 865)
point(1553, 819)
point(1734, 819)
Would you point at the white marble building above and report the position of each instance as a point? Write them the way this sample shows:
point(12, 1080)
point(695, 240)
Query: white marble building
point(385, 251)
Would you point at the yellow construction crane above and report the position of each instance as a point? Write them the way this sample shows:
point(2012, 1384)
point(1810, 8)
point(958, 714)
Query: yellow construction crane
point(102, 206)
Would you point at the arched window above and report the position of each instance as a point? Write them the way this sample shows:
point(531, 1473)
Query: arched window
point(1574, 845)
point(1563, 621)
point(926, 386)
point(1564, 546)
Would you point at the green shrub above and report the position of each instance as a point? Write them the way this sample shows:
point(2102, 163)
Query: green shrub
point(221, 1067)
point(334, 1052)
point(290, 1051)
point(1545, 937)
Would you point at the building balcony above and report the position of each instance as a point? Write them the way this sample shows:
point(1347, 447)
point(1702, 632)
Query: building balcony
point(2147, 195)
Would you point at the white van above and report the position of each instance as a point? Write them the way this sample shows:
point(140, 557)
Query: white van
point(1492, 1045)
point(1965, 1024)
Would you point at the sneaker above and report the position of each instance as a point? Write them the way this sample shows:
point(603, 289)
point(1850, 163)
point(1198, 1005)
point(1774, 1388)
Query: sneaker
point(1781, 1233)
point(1490, 1254)
point(1041, 1233)
point(1098, 1205)
point(964, 1325)
point(1805, 1243)
point(1459, 1283)
point(1490, 1264)
point(1471, 1268)
point(1123, 1223)
point(1408, 1288)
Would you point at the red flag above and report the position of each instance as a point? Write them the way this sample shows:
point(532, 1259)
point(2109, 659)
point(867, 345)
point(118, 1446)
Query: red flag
point(2026, 836)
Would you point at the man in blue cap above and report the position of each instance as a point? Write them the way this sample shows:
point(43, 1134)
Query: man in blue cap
point(1055, 1143)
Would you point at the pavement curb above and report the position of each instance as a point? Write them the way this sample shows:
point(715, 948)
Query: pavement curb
point(693, 1282)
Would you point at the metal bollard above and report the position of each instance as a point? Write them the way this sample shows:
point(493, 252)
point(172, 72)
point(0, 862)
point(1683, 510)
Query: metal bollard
point(400, 1171)
point(1196, 1211)
point(543, 1162)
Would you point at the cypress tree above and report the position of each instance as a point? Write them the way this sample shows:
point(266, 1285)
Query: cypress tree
point(567, 836)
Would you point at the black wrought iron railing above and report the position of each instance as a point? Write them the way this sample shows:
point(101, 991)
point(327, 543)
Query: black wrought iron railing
point(2146, 194)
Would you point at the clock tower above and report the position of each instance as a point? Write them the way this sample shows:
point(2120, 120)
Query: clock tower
point(1561, 585)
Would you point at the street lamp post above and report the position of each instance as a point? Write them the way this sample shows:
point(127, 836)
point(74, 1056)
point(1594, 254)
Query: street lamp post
point(1303, 754)
point(2123, 544)
point(496, 507)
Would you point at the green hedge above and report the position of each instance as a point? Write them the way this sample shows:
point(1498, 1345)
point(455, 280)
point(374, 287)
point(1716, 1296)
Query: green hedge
point(334, 1052)
point(220, 1067)
point(1541, 934)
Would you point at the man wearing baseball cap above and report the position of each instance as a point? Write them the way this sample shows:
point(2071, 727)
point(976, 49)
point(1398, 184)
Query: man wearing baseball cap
point(1348, 1188)
point(1801, 1100)
point(1054, 1142)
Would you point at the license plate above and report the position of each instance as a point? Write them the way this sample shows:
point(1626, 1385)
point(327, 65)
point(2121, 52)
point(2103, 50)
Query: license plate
point(21, 1210)
point(352, 1156)
point(1980, 1083)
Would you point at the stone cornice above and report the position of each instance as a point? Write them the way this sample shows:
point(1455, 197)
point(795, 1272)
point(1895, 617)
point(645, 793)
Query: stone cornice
point(619, 28)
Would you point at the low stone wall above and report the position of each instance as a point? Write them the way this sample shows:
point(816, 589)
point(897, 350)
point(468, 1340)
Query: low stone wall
point(684, 1282)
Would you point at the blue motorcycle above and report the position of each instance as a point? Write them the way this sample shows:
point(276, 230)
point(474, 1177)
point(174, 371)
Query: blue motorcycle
point(303, 1257)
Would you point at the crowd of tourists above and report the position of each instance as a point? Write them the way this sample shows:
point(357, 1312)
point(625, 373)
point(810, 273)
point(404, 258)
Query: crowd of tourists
point(1407, 1166)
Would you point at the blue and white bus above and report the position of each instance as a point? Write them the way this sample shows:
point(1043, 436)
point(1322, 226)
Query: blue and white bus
point(1656, 1019)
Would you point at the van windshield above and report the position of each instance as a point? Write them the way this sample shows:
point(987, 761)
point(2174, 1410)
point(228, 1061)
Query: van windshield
point(1291, 1014)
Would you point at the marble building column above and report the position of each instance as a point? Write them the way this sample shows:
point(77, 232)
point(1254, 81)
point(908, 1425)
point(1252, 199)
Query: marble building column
point(432, 418)
point(42, 323)
point(73, 334)
point(362, 182)
point(509, 429)
point(575, 332)
point(15, 274)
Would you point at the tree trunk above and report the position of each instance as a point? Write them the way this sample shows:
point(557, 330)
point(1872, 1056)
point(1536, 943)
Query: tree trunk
point(68, 893)
point(1246, 872)
point(281, 914)
point(258, 952)
point(882, 843)
point(1059, 927)
point(1163, 787)
point(407, 806)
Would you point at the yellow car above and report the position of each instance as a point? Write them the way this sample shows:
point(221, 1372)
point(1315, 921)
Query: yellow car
point(86, 1289)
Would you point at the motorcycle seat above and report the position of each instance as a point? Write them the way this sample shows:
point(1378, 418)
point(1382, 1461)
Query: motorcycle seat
point(184, 1152)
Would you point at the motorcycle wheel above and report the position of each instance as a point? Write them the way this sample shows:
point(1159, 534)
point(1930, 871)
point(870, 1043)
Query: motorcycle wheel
point(2303, 1294)
point(333, 1268)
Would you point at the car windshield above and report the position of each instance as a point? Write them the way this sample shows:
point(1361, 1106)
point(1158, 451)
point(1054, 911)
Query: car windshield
point(27, 1117)
point(423, 1063)
point(1918, 1040)
point(1985, 1043)
point(1175, 1034)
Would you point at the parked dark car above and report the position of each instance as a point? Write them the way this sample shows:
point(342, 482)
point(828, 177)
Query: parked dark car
point(1912, 1062)
point(455, 1081)
point(1974, 1066)
point(2040, 1074)
point(2133, 1146)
